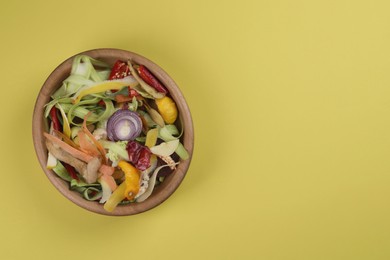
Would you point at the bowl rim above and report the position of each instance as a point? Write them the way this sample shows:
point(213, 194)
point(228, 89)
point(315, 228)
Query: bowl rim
point(160, 194)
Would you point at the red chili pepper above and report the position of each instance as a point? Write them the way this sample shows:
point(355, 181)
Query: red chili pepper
point(54, 119)
point(119, 70)
point(101, 103)
point(150, 79)
point(139, 155)
point(71, 171)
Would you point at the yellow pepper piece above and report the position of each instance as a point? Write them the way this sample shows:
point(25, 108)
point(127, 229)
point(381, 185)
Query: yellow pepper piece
point(116, 197)
point(104, 86)
point(131, 179)
point(66, 125)
point(151, 137)
point(167, 108)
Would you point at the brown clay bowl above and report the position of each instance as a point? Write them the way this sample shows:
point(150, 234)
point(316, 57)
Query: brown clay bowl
point(171, 182)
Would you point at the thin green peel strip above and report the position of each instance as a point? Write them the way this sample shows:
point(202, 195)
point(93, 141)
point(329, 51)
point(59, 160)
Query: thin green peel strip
point(61, 171)
point(65, 121)
point(83, 108)
point(52, 103)
point(166, 135)
point(83, 73)
point(92, 194)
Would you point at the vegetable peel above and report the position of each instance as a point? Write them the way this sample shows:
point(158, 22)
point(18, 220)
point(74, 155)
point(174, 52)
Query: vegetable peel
point(104, 86)
point(166, 148)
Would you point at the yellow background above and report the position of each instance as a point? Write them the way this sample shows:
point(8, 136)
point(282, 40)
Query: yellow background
point(290, 102)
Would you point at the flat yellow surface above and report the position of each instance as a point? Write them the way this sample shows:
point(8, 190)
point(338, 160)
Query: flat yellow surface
point(291, 107)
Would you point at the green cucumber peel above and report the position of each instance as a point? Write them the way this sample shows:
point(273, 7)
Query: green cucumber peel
point(52, 103)
point(61, 171)
point(97, 194)
point(81, 186)
point(166, 136)
point(83, 73)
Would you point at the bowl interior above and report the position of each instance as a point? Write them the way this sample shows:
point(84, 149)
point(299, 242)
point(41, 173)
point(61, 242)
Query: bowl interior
point(171, 182)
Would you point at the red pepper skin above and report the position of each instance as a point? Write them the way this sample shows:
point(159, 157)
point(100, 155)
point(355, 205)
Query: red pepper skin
point(71, 171)
point(150, 79)
point(119, 70)
point(133, 149)
point(54, 119)
point(139, 155)
point(143, 159)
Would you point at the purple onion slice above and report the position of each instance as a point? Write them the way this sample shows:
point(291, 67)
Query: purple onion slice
point(124, 125)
